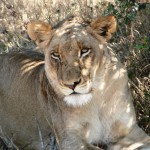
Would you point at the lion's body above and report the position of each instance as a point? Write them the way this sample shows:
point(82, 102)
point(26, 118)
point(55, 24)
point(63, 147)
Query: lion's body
point(19, 106)
point(39, 95)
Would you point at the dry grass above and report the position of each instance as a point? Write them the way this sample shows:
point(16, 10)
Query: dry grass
point(131, 42)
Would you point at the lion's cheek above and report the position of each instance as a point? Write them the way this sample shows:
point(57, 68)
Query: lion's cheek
point(65, 91)
point(50, 73)
point(85, 88)
point(52, 76)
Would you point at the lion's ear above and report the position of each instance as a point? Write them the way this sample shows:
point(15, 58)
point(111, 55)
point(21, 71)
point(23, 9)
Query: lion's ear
point(40, 32)
point(104, 26)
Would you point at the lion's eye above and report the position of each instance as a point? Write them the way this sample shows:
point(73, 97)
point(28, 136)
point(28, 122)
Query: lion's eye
point(55, 56)
point(85, 52)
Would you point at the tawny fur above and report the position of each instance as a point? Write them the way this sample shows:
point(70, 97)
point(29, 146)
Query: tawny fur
point(77, 89)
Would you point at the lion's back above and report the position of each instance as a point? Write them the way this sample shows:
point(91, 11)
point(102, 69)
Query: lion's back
point(19, 107)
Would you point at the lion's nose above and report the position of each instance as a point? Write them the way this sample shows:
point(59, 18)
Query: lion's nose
point(73, 85)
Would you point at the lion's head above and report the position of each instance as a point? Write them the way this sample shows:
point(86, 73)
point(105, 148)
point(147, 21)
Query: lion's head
point(73, 55)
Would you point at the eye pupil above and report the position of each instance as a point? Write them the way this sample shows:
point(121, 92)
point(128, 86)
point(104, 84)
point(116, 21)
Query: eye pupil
point(55, 54)
point(84, 50)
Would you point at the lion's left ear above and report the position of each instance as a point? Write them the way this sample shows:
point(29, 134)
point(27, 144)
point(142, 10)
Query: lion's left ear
point(104, 26)
point(40, 32)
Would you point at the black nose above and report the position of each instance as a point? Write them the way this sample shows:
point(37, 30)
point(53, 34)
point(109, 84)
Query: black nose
point(73, 85)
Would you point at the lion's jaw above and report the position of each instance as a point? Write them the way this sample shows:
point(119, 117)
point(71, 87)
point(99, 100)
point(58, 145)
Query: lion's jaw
point(78, 99)
point(80, 96)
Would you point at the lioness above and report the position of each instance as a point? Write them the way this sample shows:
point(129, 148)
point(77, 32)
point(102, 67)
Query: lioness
point(78, 90)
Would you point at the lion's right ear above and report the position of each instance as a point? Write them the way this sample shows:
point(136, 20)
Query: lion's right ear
point(40, 32)
point(104, 26)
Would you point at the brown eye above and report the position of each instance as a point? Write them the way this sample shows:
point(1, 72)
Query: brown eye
point(55, 56)
point(85, 52)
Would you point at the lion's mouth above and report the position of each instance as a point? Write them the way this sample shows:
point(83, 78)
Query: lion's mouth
point(77, 92)
point(76, 99)
point(74, 93)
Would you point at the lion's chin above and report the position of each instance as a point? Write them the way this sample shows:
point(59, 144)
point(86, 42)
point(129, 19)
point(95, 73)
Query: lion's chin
point(76, 100)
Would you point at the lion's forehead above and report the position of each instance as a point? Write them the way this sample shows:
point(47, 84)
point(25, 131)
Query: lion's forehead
point(71, 36)
point(73, 30)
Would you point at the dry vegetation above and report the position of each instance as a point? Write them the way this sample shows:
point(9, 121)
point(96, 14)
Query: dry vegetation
point(131, 42)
